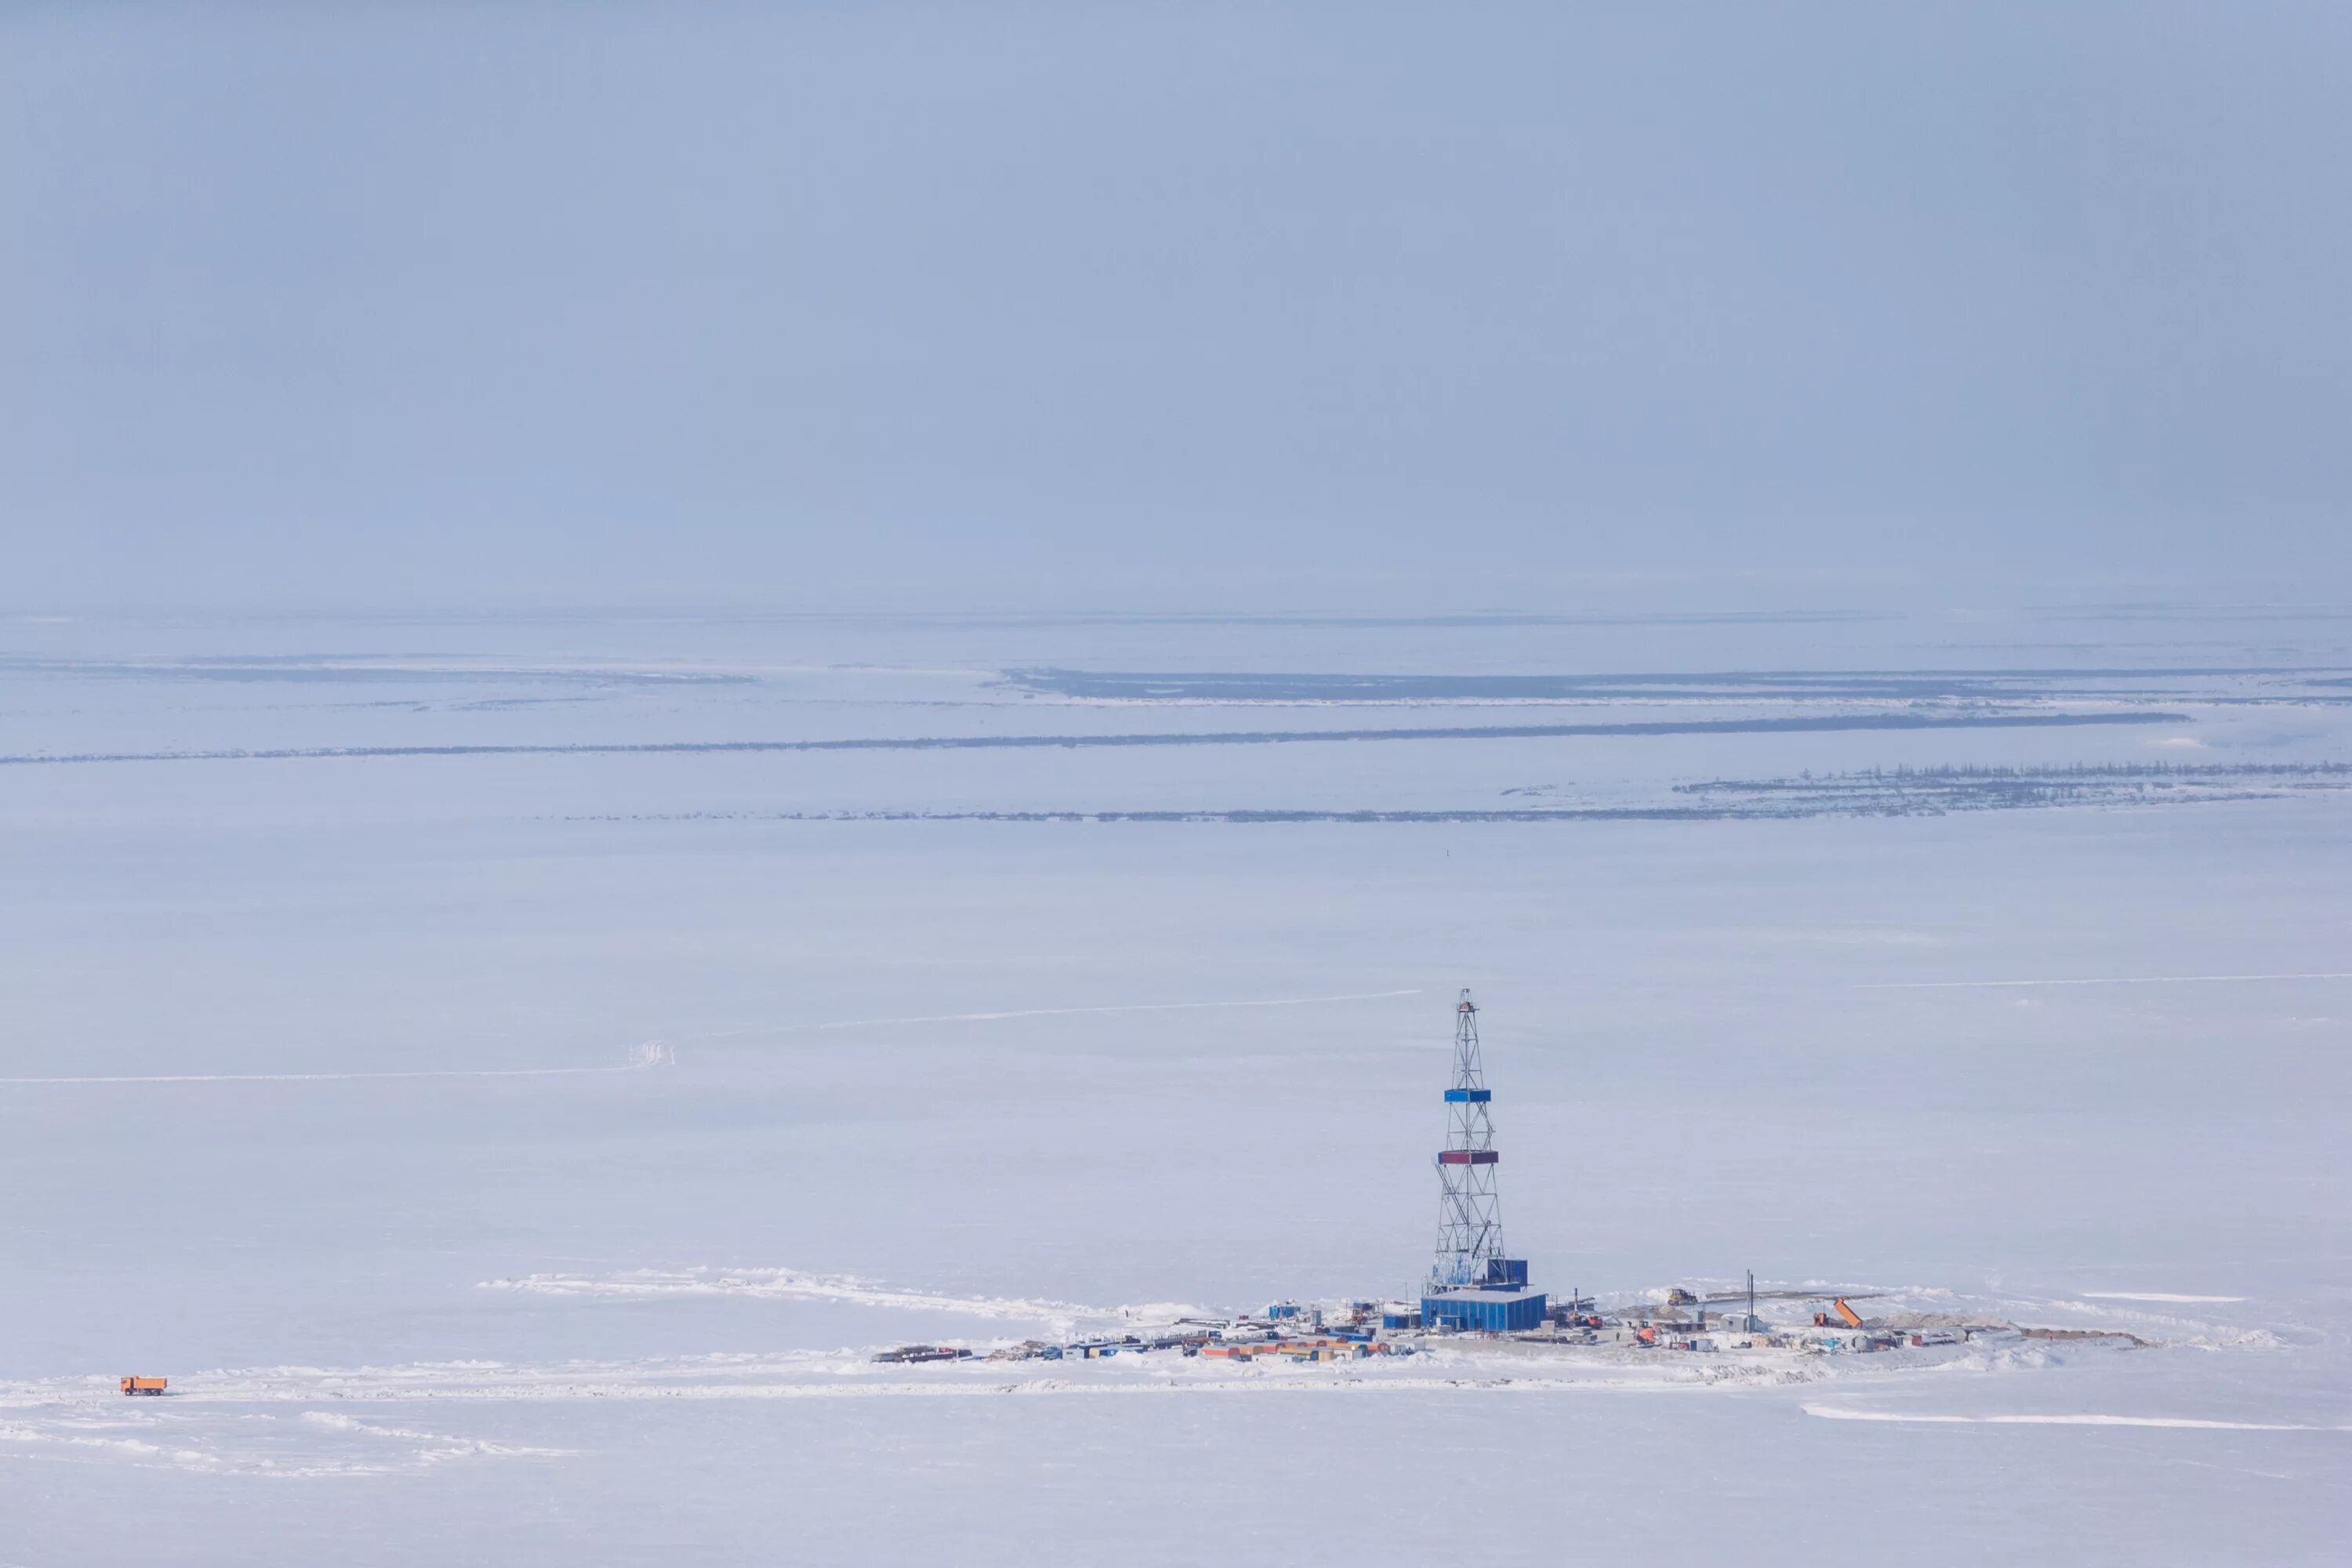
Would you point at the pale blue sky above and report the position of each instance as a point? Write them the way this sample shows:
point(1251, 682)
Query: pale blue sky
point(1187, 305)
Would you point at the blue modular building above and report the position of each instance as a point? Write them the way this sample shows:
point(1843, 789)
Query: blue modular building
point(1490, 1310)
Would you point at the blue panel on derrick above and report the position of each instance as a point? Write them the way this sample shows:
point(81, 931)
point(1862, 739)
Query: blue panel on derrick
point(1506, 1273)
point(1484, 1311)
point(1469, 1096)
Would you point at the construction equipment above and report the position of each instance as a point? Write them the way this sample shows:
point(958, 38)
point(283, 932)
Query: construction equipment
point(1845, 1314)
point(144, 1385)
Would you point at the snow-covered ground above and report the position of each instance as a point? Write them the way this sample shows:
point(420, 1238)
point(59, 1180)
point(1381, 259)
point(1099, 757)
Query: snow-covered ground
point(510, 1083)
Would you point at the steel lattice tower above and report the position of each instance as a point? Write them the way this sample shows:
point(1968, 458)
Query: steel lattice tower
point(1469, 1215)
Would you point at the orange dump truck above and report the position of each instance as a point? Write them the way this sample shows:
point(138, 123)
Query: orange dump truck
point(145, 1385)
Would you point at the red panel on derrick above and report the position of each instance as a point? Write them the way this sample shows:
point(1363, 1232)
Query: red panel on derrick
point(1467, 1156)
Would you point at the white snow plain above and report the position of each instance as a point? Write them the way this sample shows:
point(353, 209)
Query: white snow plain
point(515, 1156)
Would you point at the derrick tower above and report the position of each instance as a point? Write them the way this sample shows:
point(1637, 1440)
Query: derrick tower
point(1472, 1284)
point(1469, 1214)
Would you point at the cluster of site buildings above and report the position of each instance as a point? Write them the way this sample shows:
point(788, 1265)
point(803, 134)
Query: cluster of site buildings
point(1286, 1331)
